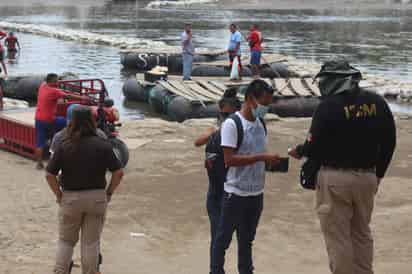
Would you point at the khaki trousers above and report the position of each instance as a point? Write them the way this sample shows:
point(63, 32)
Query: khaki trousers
point(345, 202)
point(80, 211)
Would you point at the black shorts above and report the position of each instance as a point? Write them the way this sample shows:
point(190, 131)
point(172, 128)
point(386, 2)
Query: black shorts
point(2, 55)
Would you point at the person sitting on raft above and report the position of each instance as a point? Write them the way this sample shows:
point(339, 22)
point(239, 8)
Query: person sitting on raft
point(214, 162)
point(47, 98)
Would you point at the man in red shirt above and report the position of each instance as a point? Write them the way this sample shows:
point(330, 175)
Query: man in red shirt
point(255, 44)
point(47, 99)
point(11, 42)
point(2, 35)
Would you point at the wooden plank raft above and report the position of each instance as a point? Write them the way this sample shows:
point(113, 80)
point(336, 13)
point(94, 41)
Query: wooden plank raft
point(210, 89)
point(245, 60)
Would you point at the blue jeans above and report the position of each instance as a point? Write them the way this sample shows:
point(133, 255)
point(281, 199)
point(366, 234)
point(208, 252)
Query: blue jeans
point(187, 65)
point(241, 214)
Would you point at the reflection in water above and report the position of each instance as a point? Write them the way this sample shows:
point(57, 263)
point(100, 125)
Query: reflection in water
point(377, 41)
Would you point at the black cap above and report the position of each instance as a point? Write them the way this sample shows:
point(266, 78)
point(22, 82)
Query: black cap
point(337, 68)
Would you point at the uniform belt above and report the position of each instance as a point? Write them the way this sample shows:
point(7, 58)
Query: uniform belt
point(363, 170)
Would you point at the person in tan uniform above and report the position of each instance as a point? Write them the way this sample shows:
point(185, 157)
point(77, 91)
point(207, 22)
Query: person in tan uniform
point(82, 195)
point(352, 138)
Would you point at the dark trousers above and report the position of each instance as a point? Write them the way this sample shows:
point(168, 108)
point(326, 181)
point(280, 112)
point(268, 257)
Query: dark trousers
point(241, 214)
point(214, 209)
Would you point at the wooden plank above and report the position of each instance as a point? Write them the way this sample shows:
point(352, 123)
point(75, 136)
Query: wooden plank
point(223, 87)
point(219, 85)
point(300, 88)
point(185, 89)
point(176, 91)
point(223, 79)
point(223, 63)
point(210, 87)
point(282, 87)
point(267, 58)
point(200, 90)
point(312, 87)
point(268, 81)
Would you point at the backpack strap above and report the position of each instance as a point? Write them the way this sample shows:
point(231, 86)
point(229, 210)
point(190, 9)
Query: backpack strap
point(264, 125)
point(239, 128)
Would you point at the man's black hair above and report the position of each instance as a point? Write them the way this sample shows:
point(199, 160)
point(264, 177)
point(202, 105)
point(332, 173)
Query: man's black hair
point(51, 77)
point(233, 25)
point(256, 26)
point(258, 88)
point(230, 98)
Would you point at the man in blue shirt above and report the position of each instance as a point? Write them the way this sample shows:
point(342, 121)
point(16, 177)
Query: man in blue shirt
point(234, 45)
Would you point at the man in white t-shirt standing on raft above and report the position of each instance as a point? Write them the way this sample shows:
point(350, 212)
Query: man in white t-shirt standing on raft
point(243, 190)
point(187, 52)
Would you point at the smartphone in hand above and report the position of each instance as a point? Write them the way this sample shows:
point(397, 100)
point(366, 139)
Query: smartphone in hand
point(282, 166)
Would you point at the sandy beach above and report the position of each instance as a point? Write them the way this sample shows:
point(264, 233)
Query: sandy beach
point(157, 222)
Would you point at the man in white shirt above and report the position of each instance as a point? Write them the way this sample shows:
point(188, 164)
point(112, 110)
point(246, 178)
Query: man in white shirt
point(187, 52)
point(243, 197)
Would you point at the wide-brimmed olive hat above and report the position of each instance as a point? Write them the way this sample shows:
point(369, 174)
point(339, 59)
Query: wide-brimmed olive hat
point(337, 68)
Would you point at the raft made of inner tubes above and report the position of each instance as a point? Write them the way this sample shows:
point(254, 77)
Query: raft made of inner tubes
point(181, 100)
point(294, 107)
point(26, 87)
point(143, 61)
point(275, 70)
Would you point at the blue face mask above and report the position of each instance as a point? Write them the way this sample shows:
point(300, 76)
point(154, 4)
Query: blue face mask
point(260, 111)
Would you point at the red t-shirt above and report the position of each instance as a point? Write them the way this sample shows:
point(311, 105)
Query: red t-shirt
point(256, 38)
point(11, 42)
point(47, 102)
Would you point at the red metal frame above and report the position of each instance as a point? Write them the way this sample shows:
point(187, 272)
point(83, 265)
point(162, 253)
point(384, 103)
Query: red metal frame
point(19, 137)
point(89, 87)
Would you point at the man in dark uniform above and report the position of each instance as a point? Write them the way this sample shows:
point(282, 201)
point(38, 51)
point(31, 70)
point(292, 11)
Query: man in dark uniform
point(353, 138)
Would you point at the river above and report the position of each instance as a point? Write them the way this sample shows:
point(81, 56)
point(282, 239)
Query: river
point(378, 41)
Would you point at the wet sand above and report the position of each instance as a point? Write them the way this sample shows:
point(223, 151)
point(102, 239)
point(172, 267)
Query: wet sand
point(162, 203)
